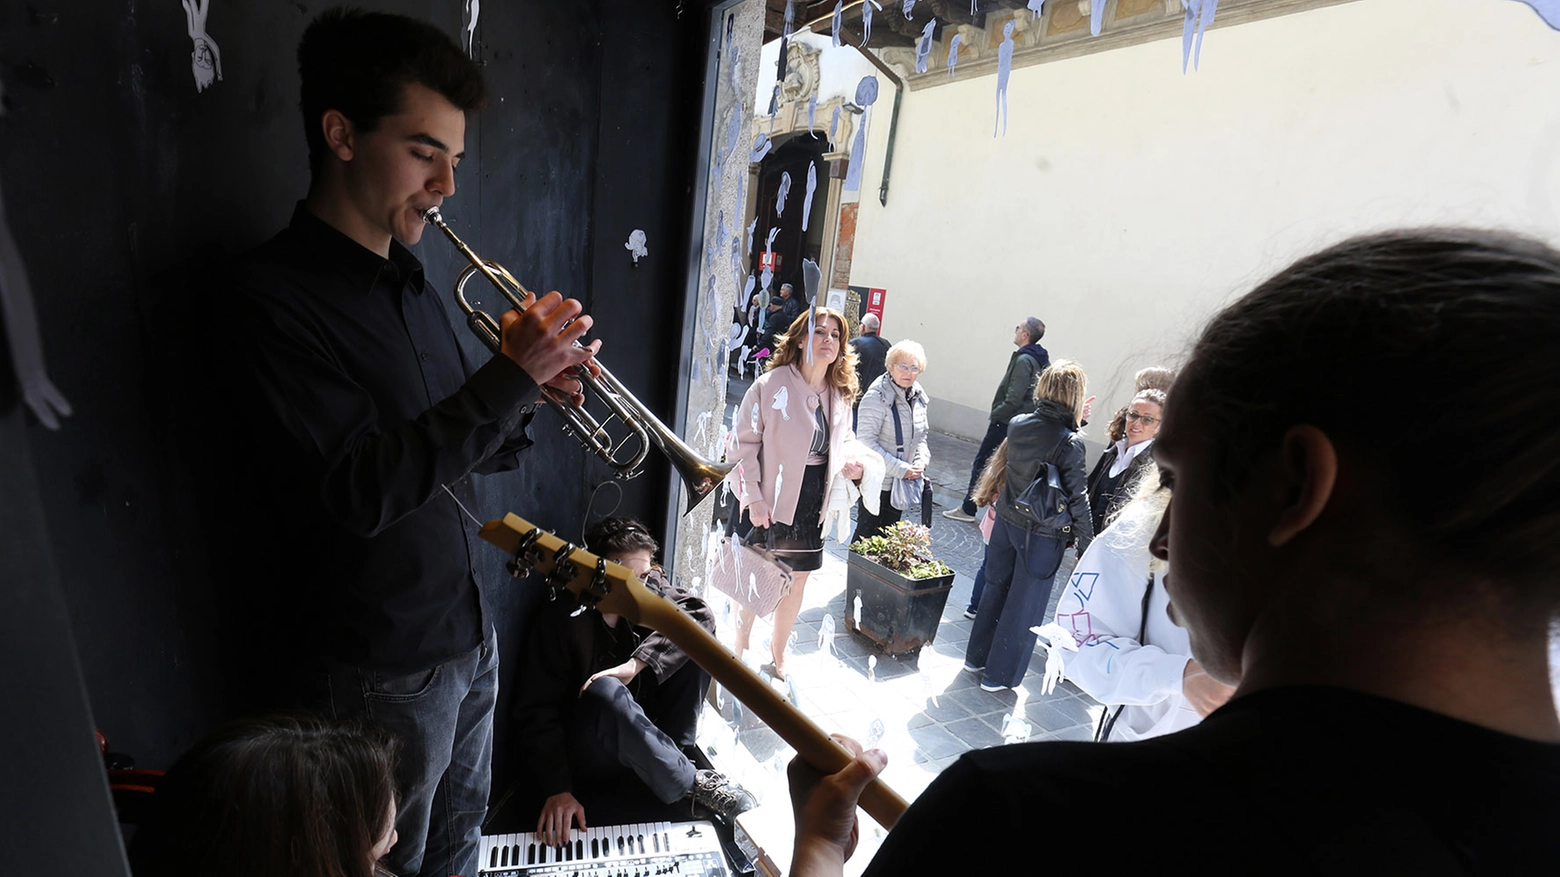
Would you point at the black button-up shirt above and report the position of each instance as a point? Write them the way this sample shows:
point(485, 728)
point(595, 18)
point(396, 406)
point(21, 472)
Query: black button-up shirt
point(366, 410)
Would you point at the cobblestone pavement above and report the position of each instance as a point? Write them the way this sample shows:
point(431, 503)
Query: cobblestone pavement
point(924, 711)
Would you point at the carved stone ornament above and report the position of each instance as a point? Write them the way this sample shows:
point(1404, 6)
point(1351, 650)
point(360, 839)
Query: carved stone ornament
point(801, 78)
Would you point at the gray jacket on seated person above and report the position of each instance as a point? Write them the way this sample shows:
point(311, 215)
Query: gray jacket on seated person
point(875, 426)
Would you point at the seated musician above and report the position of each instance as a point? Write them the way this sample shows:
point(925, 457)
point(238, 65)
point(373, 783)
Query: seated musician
point(275, 797)
point(597, 695)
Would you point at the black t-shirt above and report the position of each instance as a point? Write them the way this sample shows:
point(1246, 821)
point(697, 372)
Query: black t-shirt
point(1290, 781)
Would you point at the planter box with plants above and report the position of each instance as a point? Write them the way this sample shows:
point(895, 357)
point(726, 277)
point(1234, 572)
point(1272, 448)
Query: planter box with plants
point(900, 587)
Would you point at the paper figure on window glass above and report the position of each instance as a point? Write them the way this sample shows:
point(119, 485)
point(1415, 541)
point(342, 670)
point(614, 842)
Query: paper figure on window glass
point(839, 22)
point(1548, 10)
point(1096, 16)
point(953, 52)
point(909, 8)
point(760, 147)
point(812, 278)
point(866, 95)
point(636, 244)
point(205, 57)
point(1199, 14)
point(923, 47)
point(812, 188)
point(780, 469)
point(866, 20)
point(783, 192)
point(48, 404)
point(834, 126)
point(468, 29)
point(1004, 69)
point(1037, 7)
point(812, 112)
point(752, 227)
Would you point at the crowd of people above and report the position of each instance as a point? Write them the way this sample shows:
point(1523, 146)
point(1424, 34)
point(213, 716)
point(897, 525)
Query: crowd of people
point(1322, 645)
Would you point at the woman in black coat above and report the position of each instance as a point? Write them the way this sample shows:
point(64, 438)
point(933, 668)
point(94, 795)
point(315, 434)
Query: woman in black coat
point(1023, 555)
point(1118, 469)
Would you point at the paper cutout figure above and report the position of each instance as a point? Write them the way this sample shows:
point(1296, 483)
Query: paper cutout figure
point(1548, 10)
point(780, 196)
point(953, 52)
point(468, 28)
point(923, 48)
point(704, 421)
point(790, 19)
point(856, 611)
point(733, 133)
point(1037, 7)
point(812, 323)
point(866, 95)
point(812, 188)
point(752, 227)
point(760, 147)
point(1199, 14)
point(1058, 638)
point(1004, 69)
point(909, 8)
point(636, 244)
point(781, 403)
point(769, 245)
point(812, 112)
point(205, 57)
point(826, 635)
point(872, 668)
point(780, 469)
point(753, 586)
point(1015, 729)
point(973, 7)
point(866, 20)
point(755, 415)
point(874, 732)
point(839, 22)
point(48, 404)
point(1096, 16)
point(834, 126)
point(812, 276)
point(765, 278)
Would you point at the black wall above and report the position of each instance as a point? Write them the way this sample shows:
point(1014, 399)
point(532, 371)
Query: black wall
point(126, 190)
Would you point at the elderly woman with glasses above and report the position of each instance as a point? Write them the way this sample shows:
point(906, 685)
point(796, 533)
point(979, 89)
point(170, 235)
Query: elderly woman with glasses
point(1112, 481)
point(891, 420)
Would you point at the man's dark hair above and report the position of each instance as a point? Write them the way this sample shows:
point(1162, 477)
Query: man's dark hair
point(294, 795)
point(360, 63)
point(617, 536)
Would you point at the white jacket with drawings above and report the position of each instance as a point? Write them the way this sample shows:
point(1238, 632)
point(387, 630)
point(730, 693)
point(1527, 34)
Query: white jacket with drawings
point(1102, 608)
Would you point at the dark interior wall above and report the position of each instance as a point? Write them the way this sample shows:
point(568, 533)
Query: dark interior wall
point(127, 188)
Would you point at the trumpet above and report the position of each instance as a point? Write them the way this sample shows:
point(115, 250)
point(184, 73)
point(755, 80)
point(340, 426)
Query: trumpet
point(625, 456)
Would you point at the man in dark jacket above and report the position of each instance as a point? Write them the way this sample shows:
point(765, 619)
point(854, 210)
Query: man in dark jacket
point(597, 695)
point(1014, 396)
point(871, 356)
point(792, 308)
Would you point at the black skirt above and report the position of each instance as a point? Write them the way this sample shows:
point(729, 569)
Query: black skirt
point(799, 543)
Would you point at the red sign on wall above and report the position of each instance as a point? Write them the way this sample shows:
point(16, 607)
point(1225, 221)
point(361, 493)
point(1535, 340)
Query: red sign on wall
point(769, 259)
point(875, 302)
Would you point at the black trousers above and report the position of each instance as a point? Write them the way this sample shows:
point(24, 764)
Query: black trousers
point(868, 524)
point(614, 727)
point(995, 433)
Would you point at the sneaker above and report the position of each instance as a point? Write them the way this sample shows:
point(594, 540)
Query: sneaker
point(721, 795)
point(972, 668)
point(969, 613)
point(957, 514)
point(994, 688)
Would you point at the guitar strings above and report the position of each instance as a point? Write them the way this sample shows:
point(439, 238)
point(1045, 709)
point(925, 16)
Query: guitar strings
point(462, 505)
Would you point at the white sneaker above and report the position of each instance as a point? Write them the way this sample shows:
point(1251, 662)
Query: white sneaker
point(969, 613)
point(994, 688)
point(720, 794)
point(972, 668)
point(957, 514)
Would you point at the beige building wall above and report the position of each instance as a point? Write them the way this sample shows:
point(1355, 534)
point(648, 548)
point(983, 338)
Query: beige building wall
point(1128, 201)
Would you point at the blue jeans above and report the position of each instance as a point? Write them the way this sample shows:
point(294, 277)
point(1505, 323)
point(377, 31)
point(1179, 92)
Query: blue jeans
point(1020, 570)
point(611, 729)
point(980, 586)
point(444, 718)
point(995, 433)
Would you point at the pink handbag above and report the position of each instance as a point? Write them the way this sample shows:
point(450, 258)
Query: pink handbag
point(750, 574)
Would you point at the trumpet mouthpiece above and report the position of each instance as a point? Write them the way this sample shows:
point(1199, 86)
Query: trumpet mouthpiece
point(431, 215)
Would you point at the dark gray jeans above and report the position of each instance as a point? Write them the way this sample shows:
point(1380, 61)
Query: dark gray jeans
point(444, 718)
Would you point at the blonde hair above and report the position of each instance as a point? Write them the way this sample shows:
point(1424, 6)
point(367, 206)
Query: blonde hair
point(1065, 384)
point(903, 350)
point(1132, 527)
point(789, 349)
point(989, 487)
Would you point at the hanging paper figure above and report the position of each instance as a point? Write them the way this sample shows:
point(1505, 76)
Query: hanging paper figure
point(1548, 10)
point(834, 126)
point(866, 20)
point(704, 421)
point(752, 227)
point(1037, 7)
point(973, 7)
point(872, 668)
point(874, 734)
point(205, 57)
point(780, 469)
point(1096, 16)
point(812, 111)
point(733, 133)
point(720, 229)
point(636, 244)
point(790, 18)
point(468, 19)
point(769, 245)
point(839, 22)
point(923, 46)
point(48, 404)
point(783, 193)
point(866, 94)
point(747, 290)
point(755, 416)
point(765, 278)
point(781, 404)
point(812, 324)
point(1004, 69)
point(1015, 729)
point(1059, 638)
point(812, 276)
point(812, 188)
point(760, 147)
point(909, 8)
point(953, 52)
point(1199, 14)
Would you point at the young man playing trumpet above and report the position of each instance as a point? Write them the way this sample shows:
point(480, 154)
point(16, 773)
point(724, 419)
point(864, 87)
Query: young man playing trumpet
point(371, 422)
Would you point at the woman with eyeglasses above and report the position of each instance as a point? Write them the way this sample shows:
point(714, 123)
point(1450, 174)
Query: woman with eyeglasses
point(1121, 464)
point(892, 421)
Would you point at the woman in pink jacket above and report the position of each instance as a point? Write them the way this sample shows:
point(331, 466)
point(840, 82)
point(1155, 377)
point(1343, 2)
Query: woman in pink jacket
point(794, 445)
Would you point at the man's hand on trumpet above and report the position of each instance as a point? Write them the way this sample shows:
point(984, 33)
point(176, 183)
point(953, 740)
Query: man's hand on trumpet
point(543, 340)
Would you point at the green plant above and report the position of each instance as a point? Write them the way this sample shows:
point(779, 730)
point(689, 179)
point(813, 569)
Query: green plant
point(905, 548)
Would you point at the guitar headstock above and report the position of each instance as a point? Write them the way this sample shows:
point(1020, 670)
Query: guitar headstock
point(599, 583)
